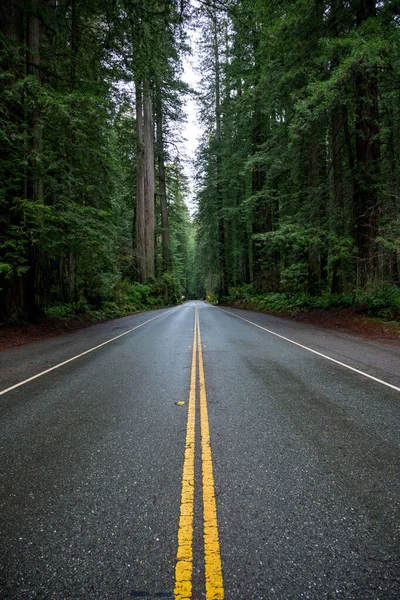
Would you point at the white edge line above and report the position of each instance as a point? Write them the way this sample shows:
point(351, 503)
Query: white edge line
point(315, 351)
point(13, 387)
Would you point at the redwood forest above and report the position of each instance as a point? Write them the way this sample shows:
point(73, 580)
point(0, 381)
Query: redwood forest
point(291, 203)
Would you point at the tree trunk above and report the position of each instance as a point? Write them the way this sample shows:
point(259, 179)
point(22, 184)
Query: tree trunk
point(223, 284)
point(393, 256)
point(264, 210)
point(12, 20)
point(34, 185)
point(166, 242)
point(338, 201)
point(74, 42)
point(149, 181)
point(366, 202)
point(61, 274)
point(12, 29)
point(72, 266)
point(72, 277)
point(140, 202)
point(314, 255)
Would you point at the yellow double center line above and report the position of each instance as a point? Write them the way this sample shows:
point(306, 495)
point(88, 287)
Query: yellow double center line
point(212, 556)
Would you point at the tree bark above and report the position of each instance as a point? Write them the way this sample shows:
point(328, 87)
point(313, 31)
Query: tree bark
point(394, 257)
point(74, 42)
point(34, 187)
point(338, 201)
point(72, 277)
point(149, 180)
point(314, 254)
point(223, 284)
point(165, 235)
point(12, 290)
point(366, 201)
point(140, 202)
point(11, 19)
point(72, 291)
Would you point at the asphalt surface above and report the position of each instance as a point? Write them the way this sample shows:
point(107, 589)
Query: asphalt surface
point(305, 458)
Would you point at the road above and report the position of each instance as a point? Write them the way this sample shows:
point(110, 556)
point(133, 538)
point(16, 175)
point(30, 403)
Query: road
point(199, 452)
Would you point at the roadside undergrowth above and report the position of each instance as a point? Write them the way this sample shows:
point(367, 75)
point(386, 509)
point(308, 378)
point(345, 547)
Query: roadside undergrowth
point(127, 299)
point(374, 313)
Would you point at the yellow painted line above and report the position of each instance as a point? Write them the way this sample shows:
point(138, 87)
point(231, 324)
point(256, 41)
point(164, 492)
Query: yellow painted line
point(65, 362)
point(212, 554)
point(184, 557)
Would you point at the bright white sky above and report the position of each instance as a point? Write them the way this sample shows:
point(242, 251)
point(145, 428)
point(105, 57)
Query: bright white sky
point(191, 130)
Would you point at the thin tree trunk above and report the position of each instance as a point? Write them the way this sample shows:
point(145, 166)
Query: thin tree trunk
point(264, 210)
point(72, 277)
point(34, 180)
point(223, 287)
point(12, 291)
point(72, 292)
point(74, 42)
point(11, 19)
point(393, 258)
point(61, 272)
point(338, 203)
point(314, 255)
point(140, 202)
point(166, 242)
point(366, 202)
point(149, 180)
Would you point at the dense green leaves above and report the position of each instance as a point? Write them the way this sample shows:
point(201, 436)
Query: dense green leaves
point(308, 152)
point(67, 142)
point(297, 171)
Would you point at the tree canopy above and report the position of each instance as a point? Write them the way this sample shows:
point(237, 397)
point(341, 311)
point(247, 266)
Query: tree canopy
point(297, 169)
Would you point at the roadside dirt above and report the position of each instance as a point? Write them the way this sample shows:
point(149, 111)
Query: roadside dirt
point(351, 320)
point(348, 320)
point(20, 334)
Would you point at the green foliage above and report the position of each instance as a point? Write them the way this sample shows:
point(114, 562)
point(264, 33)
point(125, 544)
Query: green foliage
point(61, 311)
point(294, 279)
point(128, 298)
point(68, 156)
point(382, 301)
point(299, 161)
point(282, 303)
point(212, 299)
point(243, 292)
point(297, 203)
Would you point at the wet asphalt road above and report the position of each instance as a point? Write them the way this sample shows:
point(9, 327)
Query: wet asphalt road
point(305, 457)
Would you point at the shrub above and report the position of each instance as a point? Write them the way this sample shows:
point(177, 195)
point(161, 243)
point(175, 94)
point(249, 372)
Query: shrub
point(61, 311)
point(382, 301)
